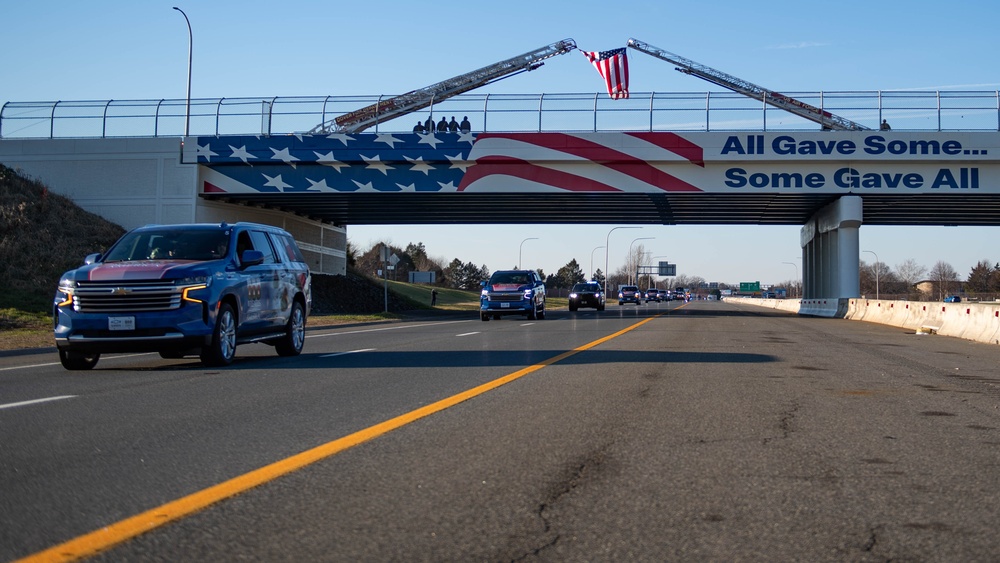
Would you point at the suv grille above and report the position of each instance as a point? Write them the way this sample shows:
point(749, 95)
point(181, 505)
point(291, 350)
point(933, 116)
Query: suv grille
point(519, 296)
point(101, 297)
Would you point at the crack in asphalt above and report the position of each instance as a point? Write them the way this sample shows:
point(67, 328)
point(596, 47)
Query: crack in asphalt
point(578, 473)
point(784, 424)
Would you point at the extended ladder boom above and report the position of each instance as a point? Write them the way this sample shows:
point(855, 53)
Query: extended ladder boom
point(384, 110)
point(787, 103)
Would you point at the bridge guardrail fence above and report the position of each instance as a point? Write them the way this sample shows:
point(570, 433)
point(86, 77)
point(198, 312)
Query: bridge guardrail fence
point(568, 112)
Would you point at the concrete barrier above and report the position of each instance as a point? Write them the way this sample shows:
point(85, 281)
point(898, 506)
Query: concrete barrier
point(979, 322)
point(830, 308)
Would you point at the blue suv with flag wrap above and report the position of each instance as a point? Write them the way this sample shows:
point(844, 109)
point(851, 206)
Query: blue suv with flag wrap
point(513, 292)
point(195, 289)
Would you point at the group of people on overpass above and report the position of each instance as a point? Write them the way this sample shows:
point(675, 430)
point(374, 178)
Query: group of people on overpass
point(443, 126)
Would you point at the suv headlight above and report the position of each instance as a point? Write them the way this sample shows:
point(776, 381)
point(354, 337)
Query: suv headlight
point(66, 287)
point(195, 280)
point(572, 296)
point(528, 293)
point(193, 283)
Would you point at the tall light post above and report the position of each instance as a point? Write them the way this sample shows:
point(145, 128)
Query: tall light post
point(630, 255)
point(607, 250)
point(877, 268)
point(519, 250)
point(187, 111)
point(795, 270)
point(592, 262)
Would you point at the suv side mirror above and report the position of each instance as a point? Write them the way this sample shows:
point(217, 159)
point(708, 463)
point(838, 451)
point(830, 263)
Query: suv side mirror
point(91, 258)
point(251, 258)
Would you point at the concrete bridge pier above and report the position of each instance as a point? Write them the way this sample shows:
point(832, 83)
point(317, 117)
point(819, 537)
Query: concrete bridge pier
point(830, 254)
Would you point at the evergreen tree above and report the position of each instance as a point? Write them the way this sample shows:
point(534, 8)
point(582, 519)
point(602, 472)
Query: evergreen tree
point(570, 274)
point(980, 278)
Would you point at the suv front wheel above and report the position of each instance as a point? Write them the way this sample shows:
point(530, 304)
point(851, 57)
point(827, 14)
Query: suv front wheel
point(78, 360)
point(223, 346)
point(295, 333)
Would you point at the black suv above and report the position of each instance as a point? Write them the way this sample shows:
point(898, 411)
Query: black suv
point(183, 290)
point(586, 295)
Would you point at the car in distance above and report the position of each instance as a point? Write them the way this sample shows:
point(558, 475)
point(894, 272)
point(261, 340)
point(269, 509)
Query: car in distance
point(953, 299)
point(512, 292)
point(193, 289)
point(653, 294)
point(589, 294)
point(629, 294)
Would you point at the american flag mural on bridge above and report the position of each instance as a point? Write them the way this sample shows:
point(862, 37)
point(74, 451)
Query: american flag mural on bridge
point(446, 162)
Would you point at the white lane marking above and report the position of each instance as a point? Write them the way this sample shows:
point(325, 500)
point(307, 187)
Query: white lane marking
point(57, 363)
point(467, 333)
point(36, 401)
point(31, 366)
point(381, 329)
point(527, 324)
point(348, 352)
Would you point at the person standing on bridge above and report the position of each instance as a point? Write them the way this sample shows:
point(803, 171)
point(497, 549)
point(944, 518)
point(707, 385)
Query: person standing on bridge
point(465, 126)
point(884, 126)
point(443, 125)
point(419, 127)
point(453, 125)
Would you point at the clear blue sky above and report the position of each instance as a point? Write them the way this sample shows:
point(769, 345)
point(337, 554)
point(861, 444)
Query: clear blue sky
point(71, 50)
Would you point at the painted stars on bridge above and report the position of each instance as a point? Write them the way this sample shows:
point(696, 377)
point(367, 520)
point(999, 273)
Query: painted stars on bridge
point(376, 162)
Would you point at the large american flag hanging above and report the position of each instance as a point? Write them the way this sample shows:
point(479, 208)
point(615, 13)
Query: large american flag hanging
point(613, 66)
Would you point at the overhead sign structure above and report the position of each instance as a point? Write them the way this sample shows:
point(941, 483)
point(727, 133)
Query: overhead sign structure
point(749, 287)
point(667, 269)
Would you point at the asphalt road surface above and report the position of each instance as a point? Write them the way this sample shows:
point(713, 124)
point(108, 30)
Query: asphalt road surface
point(663, 432)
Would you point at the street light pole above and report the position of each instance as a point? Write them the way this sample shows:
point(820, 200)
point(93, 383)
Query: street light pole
point(519, 250)
point(877, 268)
point(607, 250)
point(795, 269)
point(187, 111)
point(592, 262)
point(630, 255)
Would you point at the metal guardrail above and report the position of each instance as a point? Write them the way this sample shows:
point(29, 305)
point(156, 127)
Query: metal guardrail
point(650, 111)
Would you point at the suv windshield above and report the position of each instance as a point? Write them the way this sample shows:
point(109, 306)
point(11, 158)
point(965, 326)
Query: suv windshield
point(171, 244)
point(509, 278)
point(586, 287)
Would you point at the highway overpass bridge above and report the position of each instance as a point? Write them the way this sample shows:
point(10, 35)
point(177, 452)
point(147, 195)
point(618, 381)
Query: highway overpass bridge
point(830, 182)
point(316, 186)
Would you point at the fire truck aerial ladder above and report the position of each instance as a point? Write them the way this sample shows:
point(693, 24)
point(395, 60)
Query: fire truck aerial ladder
point(384, 110)
point(826, 119)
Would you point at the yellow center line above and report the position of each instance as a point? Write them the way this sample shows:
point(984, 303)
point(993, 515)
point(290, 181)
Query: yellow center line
point(104, 538)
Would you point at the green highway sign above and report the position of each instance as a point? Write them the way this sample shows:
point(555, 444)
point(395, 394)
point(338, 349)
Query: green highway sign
point(749, 287)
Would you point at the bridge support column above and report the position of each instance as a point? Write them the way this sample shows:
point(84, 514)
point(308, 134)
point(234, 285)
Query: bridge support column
point(830, 254)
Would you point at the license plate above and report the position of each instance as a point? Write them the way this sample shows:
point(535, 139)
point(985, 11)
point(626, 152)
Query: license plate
point(505, 305)
point(121, 323)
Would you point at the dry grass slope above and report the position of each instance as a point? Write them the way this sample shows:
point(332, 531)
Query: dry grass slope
point(42, 235)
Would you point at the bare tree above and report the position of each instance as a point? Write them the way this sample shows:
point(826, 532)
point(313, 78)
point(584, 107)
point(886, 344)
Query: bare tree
point(633, 261)
point(945, 278)
point(909, 273)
